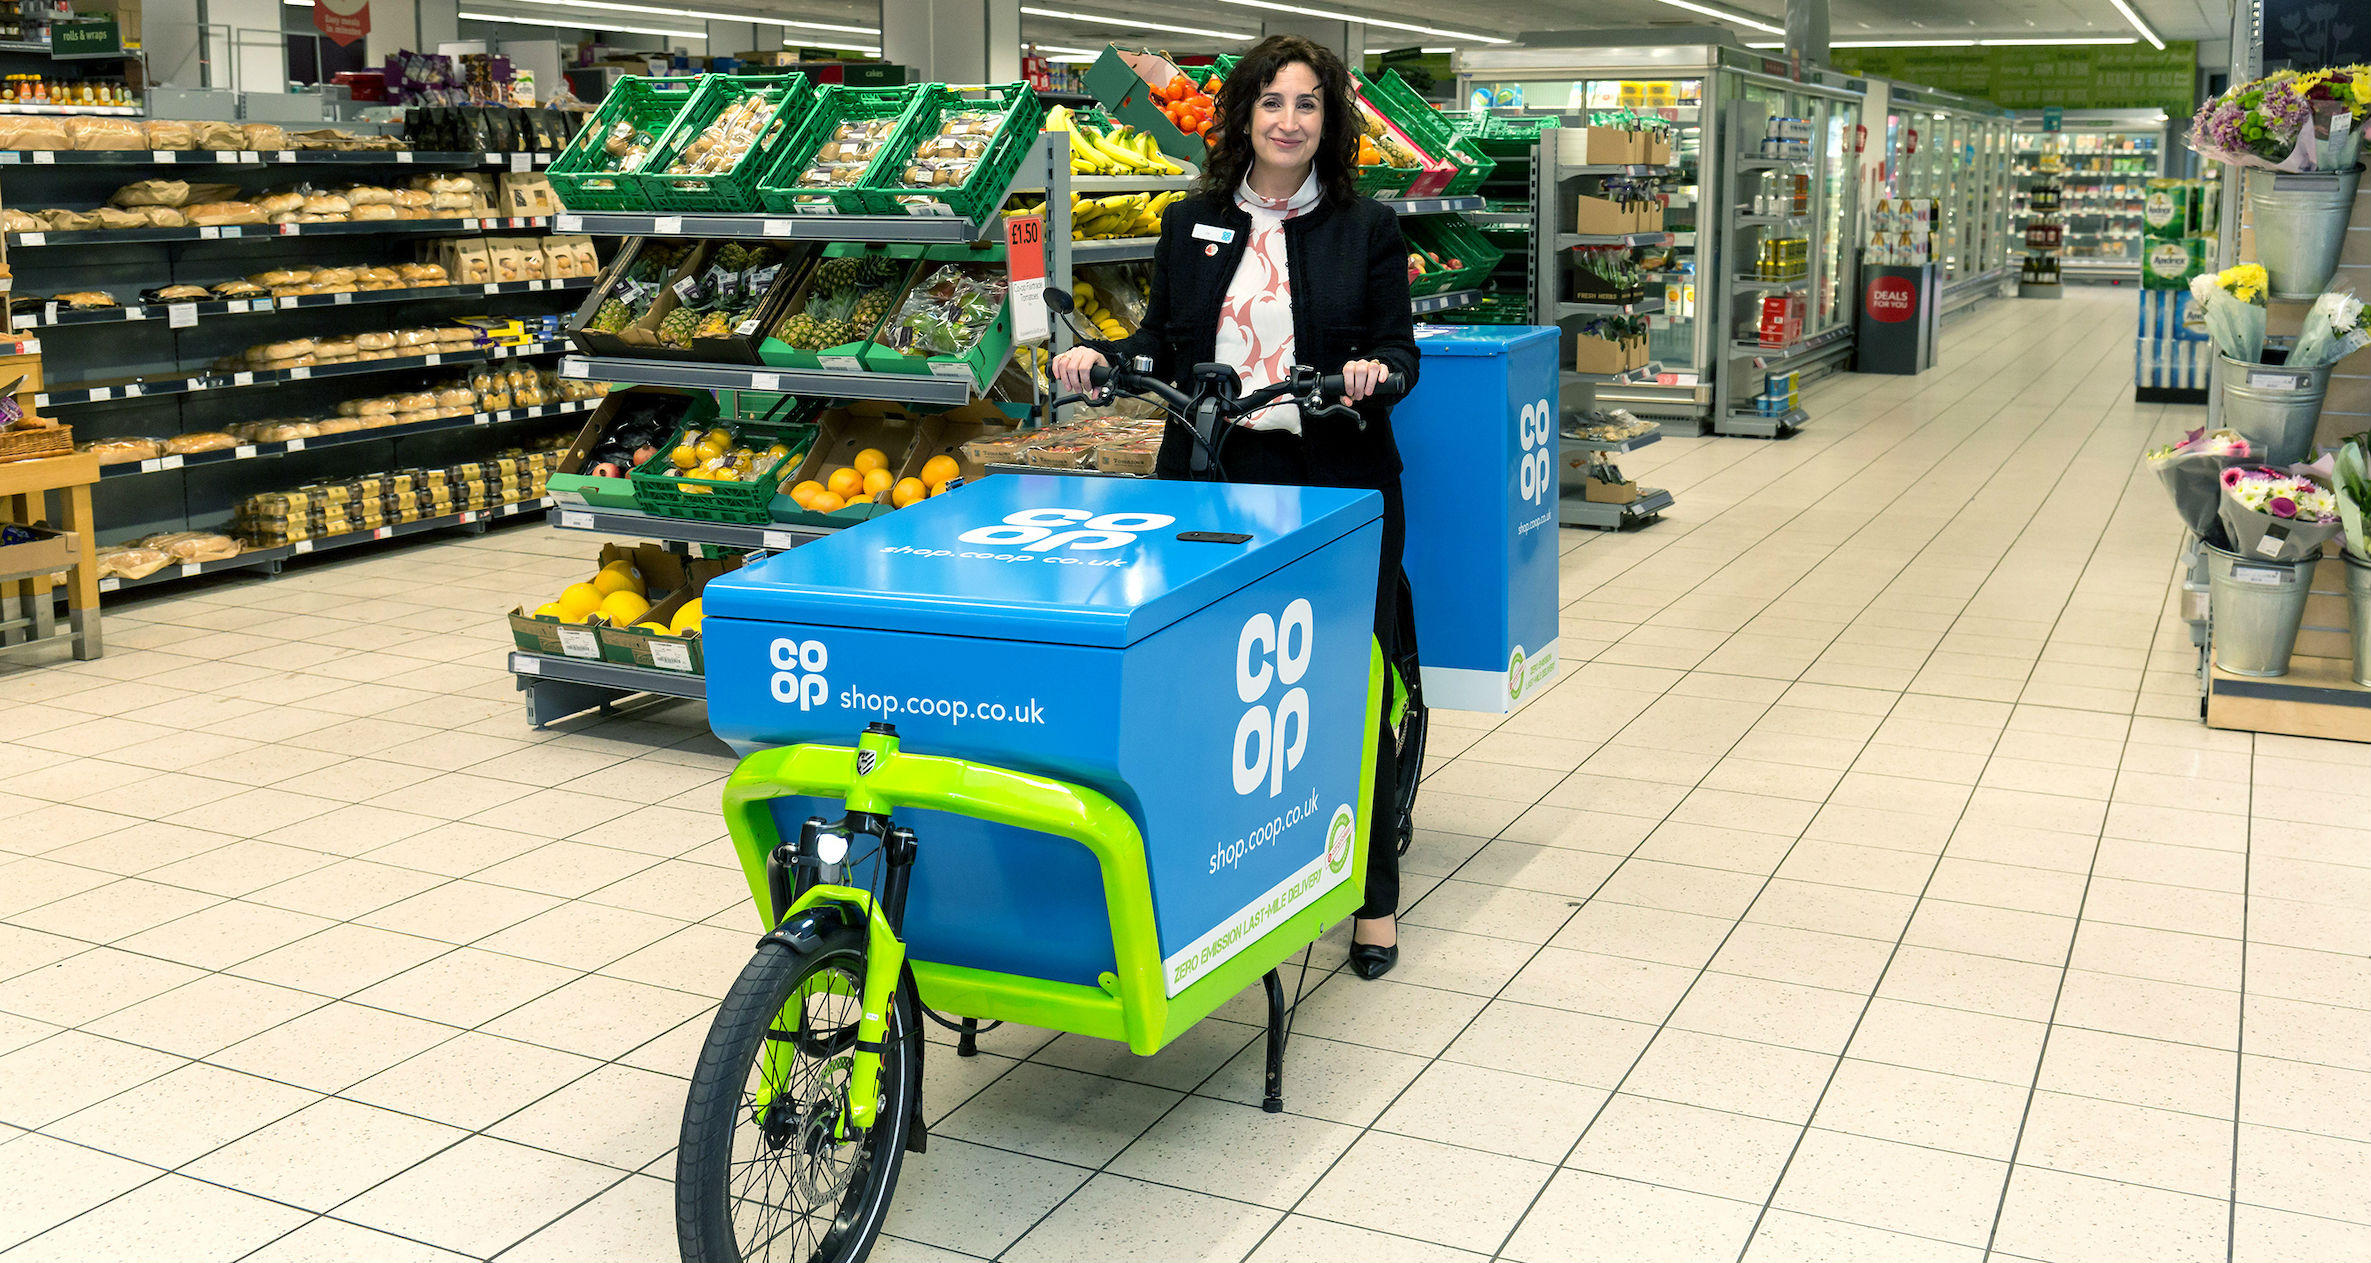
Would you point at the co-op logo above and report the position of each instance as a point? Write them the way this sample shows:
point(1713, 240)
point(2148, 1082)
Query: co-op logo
point(1272, 650)
point(798, 672)
point(1042, 530)
point(1538, 430)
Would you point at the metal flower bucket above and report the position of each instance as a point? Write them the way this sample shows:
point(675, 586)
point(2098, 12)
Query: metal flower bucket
point(2358, 614)
point(2257, 607)
point(2273, 406)
point(2300, 220)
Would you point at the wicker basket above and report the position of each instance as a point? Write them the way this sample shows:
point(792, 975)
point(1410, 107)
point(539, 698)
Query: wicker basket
point(56, 440)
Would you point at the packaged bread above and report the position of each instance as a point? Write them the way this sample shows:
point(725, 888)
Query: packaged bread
point(495, 400)
point(372, 211)
point(335, 348)
point(175, 294)
point(105, 133)
point(116, 218)
point(451, 203)
point(295, 361)
point(334, 276)
point(288, 350)
point(18, 221)
point(472, 262)
point(163, 217)
point(215, 214)
point(190, 547)
point(456, 397)
point(122, 451)
point(130, 561)
point(239, 290)
point(263, 136)
point(456, 335)
point(327, 204)
point(86, 300)
point(368, 195)
point(374, 341)
point(378, 276)
point(280, 203)
point(171, 134)
point(151, 193)
point(32, 133)
point(67, 221)
point(219, 136)
point(203, 441)
point(348, 425)
point(559, 262)
point(422, 274)
point(417, 401)
point(415, 338)
point(509, 261)
point(282, 276)
point(413, 199)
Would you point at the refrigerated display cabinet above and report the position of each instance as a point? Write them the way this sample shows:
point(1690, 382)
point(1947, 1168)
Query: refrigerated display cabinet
point(1705, 357)
point(2102, 160)
point(1956, 150)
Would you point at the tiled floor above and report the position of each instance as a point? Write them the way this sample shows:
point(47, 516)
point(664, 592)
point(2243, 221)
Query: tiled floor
point(1866, 889)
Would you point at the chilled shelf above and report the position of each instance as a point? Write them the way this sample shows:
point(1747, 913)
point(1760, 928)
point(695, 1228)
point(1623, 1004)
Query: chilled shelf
point(1756, 282)
point(1643, 375)
point(1816, 342)
point(68, 395)
point(380, 434)
point(1575, 240)
point(53, 316)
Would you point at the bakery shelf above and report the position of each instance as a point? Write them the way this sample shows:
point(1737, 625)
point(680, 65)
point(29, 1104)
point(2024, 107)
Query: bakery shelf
point(640, 525)
point(73, 111)
point(245, 232)
point(556, 687)
point(826, 383)
point(251, 559)
point(253, 157)
point(97, 393)
point(63, 317)
point(272, 558)
point(380, 434)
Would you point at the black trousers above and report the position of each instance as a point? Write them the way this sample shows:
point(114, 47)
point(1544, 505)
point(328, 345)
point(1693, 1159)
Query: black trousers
point(1280, 458)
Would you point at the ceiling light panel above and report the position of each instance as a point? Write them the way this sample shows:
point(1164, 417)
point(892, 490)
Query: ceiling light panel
point(546, 22)
point(1274, 7)
point(1099, 19)
point(2138, 25)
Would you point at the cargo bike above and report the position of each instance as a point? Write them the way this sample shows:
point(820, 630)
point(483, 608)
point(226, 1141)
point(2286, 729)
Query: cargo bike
point(1163, 796)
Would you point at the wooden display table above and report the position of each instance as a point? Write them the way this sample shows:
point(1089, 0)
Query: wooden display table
point(27, 607)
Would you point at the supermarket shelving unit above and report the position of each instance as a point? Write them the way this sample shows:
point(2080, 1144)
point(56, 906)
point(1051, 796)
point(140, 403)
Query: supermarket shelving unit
point(148, 368)
point(1955, 151)
point(2105, 160)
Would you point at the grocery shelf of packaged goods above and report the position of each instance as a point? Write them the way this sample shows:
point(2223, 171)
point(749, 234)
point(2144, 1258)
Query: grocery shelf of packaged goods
point(251, 232)
point(380, 434)
point(640, 525)
point(63, 396)
point(250, 559)
point(72, 111)
point(1572, 510)
point(1431, 205)
point(1631, 444)
point(1430, 303)
point(53, 316)
point(1576, 240)
point(1635, 307)
point(828, 383)
point(1761, 425)
point(255, 157)
point(273, 557)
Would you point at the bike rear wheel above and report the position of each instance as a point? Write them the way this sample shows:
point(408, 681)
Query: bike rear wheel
point(759, 1174)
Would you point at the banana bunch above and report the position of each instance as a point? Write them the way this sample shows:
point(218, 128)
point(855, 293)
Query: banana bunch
point(1120, 215)
point(1093, 309)
point(1121, 151)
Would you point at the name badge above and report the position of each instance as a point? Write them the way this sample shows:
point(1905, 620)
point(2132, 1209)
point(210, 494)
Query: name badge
point(1212, 232)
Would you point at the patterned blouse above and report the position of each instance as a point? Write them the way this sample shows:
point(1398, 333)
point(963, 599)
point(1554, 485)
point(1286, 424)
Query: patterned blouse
point(1255, 323)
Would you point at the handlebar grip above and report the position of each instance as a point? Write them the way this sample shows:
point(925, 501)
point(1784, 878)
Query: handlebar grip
point(1099, 375)
point(1393, 385)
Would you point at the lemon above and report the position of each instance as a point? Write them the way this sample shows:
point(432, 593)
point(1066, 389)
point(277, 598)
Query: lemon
point(687, 617)
point(907, 491)
point(877, 481)
point(805, 491)
point(549, 609)
point(623, 609)
point(684, 457)
point(940, 469)
point(709, 449)
point(778, 451)
point(870, 459)
point(826, 502)
point(844, 482)
point(655, 629)
point(578, 600)
point(612, 581)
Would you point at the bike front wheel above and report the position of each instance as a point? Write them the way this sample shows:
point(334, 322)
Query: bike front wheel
point(763, 1172)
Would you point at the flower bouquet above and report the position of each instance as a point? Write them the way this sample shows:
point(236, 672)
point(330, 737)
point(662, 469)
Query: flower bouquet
point(2352, 482)
point(2276, 516)
point(2335, 327)
point(2288, 121)
point(2231, 302)
point(2192, 471)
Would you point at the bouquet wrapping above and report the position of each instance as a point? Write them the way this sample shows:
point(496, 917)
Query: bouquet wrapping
point(2192, 471)
point(2335, 327)
point(2231, 302)
point(2287, 121)
point(2276, 516)
point(2352, 479)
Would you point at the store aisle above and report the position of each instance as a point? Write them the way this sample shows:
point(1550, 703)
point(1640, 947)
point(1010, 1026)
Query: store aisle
point(1866, 888)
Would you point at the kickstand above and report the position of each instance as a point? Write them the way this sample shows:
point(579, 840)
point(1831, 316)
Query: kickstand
point(967, 1040)
point(1274, 1101)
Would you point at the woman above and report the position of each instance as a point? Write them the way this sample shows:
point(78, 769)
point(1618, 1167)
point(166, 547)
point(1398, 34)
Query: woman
point(1280, 262)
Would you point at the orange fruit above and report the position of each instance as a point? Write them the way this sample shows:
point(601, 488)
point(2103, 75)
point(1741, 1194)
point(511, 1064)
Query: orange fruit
point(870, 459)
point(825, 502)
point(805, 491)
point(861, 497)
point(938, 488)
point(907, 491)
point(844, 483)
point(877, 481)
point(940, 469)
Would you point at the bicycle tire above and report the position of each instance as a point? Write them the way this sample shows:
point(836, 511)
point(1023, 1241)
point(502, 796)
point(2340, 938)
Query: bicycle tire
point(719, 1117)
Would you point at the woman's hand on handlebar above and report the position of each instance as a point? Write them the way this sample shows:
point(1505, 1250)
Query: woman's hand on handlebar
point(1360, 378)
point(1071, 367)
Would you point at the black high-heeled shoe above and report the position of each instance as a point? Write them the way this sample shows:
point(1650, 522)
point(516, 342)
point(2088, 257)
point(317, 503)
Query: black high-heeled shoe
point(1370, 961)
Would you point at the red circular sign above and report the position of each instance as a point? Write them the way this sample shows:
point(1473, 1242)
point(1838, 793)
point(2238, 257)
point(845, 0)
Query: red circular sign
point(1892, 299)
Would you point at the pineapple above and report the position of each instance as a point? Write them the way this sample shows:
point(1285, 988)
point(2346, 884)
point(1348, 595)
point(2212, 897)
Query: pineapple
point(613, 317)
point(676, 330)
point(715, 324)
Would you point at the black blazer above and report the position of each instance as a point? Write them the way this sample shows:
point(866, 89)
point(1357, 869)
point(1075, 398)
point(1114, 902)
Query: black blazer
point(1349, 271)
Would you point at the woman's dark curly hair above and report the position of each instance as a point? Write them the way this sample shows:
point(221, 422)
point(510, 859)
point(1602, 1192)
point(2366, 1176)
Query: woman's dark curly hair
point(1337, 148)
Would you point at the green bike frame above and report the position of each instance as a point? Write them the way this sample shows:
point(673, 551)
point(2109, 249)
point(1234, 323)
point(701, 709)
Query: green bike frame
point(1128, 1004)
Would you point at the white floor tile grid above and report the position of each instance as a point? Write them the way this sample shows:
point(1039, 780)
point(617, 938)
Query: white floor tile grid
point(1741, 838)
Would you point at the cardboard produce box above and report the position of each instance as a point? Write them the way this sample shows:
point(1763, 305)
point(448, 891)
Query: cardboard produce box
point(1602, 355)
point(640, 339)
point(1598, 492)
point(47, 552)
point(1602, 216)
point(662, 573)
point(635, 647)
point(840, 434)
point(571, 484)
point(1599, 147)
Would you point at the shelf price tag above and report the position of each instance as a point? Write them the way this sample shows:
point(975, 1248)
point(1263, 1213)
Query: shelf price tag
point(101, 394)
point(32, 239)
point(576, 521)
point(163, 156)
point(110, 584)
point(570, 223)
point(288, 155)
point(1025, 265)
point(580, 642)
point(303, 546)
point(780, 540)
point(765, 381)
point(340, 300)
point(300, 374)
point(667, 226)
point(243, 451)
point(190, 570)
point(296, 445)
point(44, 158)
point(169, 462)
point(403, 157)
point(669, 656)
point(521, 163)
point(525, 664)
point(250, 156)
point(779, 227)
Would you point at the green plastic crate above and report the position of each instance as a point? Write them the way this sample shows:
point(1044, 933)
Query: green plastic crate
point(1500, 137)
point(651, 105)
point(1431, 132)
point(982, 192)
point(1453, 236)
point(660, 492)
point(792, 95)
point(777, 188)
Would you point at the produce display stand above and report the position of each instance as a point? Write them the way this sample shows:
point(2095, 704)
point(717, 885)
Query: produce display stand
point(28, 609)
point(147, 369)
